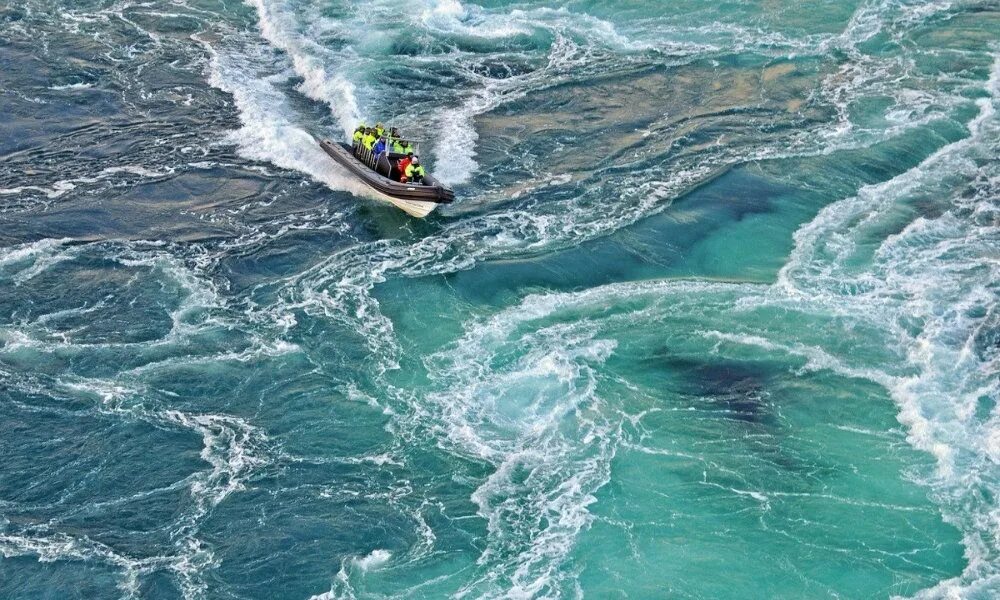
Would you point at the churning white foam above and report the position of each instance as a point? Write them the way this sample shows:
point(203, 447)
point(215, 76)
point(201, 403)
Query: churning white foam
point(268, 134)
point(311, 62)
point(374, 560)
point(929, 290)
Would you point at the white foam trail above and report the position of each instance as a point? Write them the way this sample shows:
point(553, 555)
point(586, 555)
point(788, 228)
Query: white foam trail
point(267, 133)
point(310, 61)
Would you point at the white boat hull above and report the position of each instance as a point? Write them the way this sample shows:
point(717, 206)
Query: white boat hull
point(414, 208)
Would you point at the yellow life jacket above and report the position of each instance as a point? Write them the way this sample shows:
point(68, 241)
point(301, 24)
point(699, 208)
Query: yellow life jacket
point(415, 169)
point(368, 141)
point(358, 135)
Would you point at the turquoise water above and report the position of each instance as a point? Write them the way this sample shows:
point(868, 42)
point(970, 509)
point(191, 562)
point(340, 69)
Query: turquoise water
point(714, 315)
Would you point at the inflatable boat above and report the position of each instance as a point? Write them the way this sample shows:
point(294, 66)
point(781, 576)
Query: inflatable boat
point(382, 176)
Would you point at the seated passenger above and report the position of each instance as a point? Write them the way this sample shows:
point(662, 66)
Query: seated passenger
point(381, 146)
point(359, 133)
point(407, 147)
point(403, 163)
point(368, 141)
point(398, 146)
point(379, 130)
point(415, 172)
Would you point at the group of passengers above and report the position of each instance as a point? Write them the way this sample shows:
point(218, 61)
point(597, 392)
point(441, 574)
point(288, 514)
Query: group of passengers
point(375, 142)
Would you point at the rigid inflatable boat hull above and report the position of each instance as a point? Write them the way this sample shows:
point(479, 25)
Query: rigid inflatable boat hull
point(416, 200)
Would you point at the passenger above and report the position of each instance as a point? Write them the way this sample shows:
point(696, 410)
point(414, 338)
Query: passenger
point(369, 140)
point(381, 146)
point(415, 172)
point(399, 146)
point(359, 133)
point(406, 147)
point(379, 130)
point(403, 163)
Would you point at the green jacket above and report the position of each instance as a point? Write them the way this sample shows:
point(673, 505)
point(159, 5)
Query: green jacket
point(415, 169)
point(357, 136)
point(368, 141)
point(397, 147)
point(405, 149)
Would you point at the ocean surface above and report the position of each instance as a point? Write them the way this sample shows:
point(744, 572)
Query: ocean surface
point(715, 314)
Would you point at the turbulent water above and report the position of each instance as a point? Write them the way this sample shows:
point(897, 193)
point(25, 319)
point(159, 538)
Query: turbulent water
point(715, 314)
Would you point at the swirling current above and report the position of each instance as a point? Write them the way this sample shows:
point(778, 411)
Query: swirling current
point(715, 313)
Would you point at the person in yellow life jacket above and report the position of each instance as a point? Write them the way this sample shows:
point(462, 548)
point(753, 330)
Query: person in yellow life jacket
point(359, 133)
point(368, 141)
point(379, 130)
point(415, 172)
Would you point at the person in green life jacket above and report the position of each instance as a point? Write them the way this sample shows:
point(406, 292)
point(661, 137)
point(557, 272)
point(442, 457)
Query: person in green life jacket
point(415, 171)
point(402, 147)
point(359, 133)
point(379, 130)
point(393, 138)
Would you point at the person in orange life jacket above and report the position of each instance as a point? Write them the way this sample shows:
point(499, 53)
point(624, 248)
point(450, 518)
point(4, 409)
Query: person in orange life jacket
point(403, 164)
point(415, 172)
